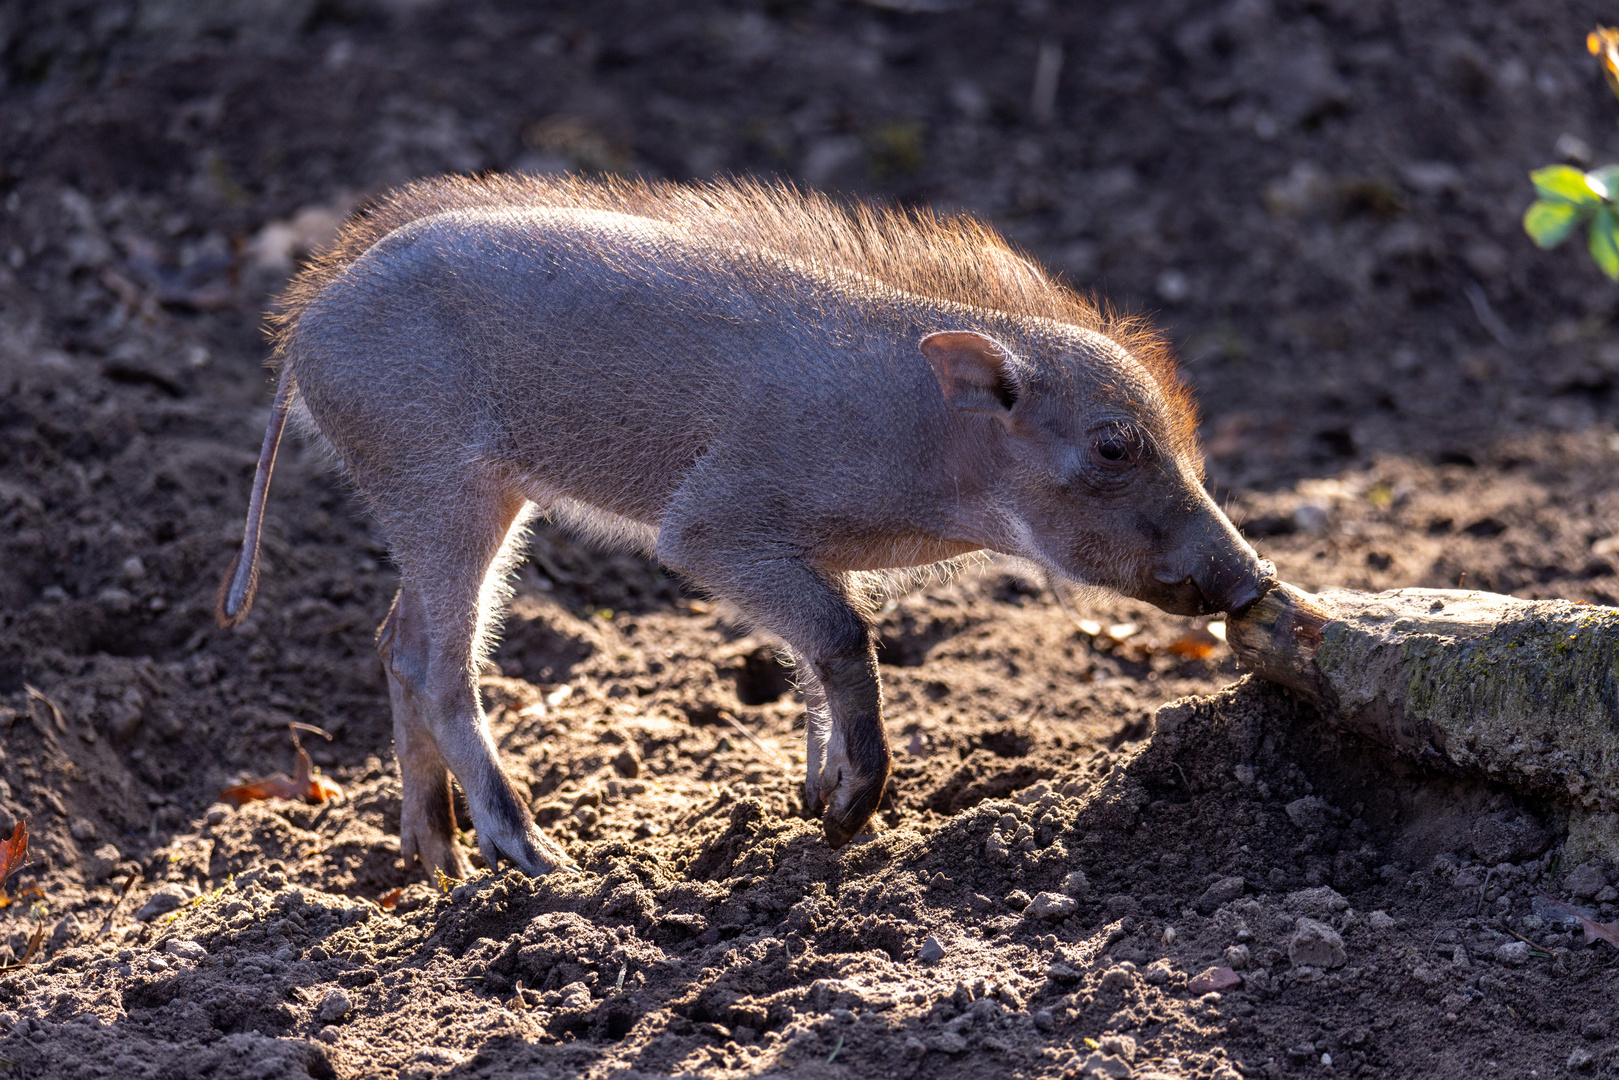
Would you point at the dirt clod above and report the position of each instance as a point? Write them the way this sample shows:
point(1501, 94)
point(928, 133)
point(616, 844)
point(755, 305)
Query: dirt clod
point(1315, 944)
point(334, 1005)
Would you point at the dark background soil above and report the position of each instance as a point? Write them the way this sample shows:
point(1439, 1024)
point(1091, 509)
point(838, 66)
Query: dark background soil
point(1318, 202)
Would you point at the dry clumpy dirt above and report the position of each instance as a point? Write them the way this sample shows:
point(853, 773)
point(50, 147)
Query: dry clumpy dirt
point(1320, 201)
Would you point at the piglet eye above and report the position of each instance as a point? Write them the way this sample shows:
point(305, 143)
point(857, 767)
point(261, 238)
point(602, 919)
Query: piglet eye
point(1117, 445)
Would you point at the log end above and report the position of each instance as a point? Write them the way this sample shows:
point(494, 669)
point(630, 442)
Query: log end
point(1278, 636)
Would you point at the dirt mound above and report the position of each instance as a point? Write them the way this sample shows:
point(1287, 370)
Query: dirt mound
point(1264, 919)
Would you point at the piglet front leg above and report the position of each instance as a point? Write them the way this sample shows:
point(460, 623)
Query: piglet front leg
point(848, 758)
point(780, 590)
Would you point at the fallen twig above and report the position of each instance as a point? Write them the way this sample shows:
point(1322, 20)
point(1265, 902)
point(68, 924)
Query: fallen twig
point(33, 947)
point(129, 886)
point(1482, 890)
point(36, 694)
point(1534, 949)
point(754, 739)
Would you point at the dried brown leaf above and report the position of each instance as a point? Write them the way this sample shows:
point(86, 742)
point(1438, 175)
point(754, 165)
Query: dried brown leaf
point(1194, 645)
point(303, 784)
point(279, 786)
point(1608, 932)
point(13, 851)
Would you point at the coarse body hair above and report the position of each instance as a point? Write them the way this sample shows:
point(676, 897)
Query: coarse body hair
point(954, 258)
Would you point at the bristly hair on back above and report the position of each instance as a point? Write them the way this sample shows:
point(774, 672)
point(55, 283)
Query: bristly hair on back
point(955, 258)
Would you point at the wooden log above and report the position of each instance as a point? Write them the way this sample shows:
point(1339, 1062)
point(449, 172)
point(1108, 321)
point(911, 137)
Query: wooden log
point(1524, 692)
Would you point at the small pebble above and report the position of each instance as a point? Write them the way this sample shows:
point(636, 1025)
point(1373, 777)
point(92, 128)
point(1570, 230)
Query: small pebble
point(334, 1006)
point(1106, 1065)
point(1513, 953)
point(1122, 1046)
point(1118, 978)
point(1221, 892)
point(1212, 979)
point(168, 898)
point(1317, 945)
point(1311, 517)
point(1050, 905)
point(116, 601)
point(102, 862)
point(932, 950)
point(1585, 881)
point(186, 950)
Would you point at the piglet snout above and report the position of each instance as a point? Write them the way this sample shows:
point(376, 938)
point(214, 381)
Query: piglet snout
point(1236, 585)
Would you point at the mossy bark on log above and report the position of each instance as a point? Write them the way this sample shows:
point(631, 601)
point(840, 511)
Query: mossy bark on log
point(1525, 692)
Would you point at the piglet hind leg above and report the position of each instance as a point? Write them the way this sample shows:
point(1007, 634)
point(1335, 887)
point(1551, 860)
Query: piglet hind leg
point(451, 563)
point(427, 825)
point(848, 758)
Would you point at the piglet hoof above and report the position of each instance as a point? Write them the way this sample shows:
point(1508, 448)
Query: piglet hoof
point(815, 796)
point(534, 853)
point(853, 802)
point(506, 829)
point(439, 853)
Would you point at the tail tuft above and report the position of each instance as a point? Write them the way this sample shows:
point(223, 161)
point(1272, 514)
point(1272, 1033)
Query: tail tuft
point(236, 597)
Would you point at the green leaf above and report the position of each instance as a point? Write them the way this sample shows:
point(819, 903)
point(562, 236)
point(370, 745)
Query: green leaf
point(1605, 241)
point(1606, 177)
point(1550, 223)
point(1567, 184)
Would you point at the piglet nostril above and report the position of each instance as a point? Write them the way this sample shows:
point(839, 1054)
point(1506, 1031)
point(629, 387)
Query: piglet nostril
point(1241, 599)
point(1236, 589)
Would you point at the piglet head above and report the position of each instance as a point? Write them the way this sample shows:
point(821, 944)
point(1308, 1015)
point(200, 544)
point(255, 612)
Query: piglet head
point(1091, 468)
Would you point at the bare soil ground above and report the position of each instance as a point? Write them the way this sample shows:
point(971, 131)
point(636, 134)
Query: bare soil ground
point(1319, 201)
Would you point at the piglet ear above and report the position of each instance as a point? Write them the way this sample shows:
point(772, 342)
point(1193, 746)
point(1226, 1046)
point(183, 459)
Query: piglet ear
point(975, 372)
